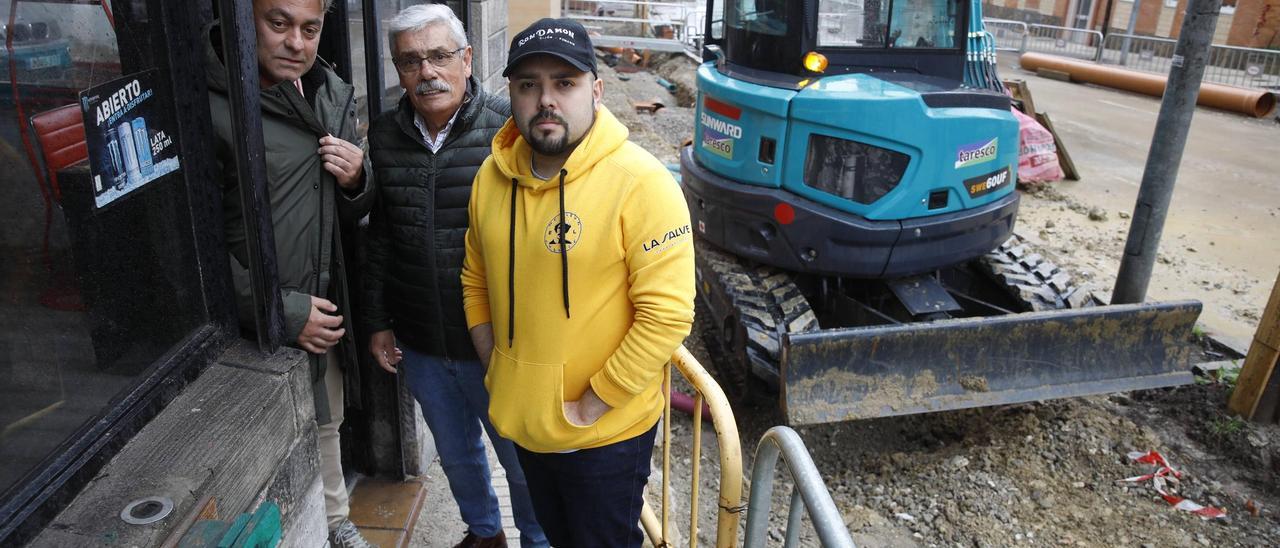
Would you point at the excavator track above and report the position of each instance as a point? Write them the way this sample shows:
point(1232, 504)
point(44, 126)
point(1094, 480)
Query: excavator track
point(1031, 279)
point(752, 306)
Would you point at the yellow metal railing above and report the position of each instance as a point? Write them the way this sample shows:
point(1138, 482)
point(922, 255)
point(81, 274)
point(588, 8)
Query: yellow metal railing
point(730, 504)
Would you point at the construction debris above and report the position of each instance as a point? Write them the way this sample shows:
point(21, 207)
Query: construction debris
point(647, 107)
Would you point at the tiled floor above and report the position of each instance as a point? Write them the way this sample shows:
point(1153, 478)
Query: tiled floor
point(386, 511)
point(422, 513)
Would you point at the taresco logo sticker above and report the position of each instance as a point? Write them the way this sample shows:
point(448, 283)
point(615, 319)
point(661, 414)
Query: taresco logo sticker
point(977, 153)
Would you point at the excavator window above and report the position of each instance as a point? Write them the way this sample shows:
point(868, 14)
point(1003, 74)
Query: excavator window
point(759, 16)
point(923, 24)
point(764, 34)
point(888, 23)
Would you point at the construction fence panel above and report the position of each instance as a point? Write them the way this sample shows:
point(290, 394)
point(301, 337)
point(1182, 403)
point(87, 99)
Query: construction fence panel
point(1064, 41)
point(1229, 65)
point(1009, 35)
point(659, 26)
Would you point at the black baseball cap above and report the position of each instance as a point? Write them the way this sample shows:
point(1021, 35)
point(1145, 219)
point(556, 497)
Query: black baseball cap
point(563, 38)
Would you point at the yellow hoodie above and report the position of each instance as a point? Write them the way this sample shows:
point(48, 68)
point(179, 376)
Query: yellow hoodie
point(609, 317)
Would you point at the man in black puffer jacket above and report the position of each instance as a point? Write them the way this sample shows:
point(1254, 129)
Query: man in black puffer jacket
point(424, 155)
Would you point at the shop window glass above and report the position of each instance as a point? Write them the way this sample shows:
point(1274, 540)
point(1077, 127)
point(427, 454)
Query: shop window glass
point(92, 294)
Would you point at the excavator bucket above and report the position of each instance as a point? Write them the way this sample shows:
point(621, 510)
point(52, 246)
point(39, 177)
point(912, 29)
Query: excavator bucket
point(836, 375)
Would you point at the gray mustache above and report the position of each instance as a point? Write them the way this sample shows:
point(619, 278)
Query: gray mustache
point(431, 85)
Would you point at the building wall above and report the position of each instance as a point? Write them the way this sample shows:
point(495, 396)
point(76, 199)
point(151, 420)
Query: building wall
point(1148, 16)
point(522, 13)
point(1165, 22)
point(1120, 15)
point(1255, 25)
point(1222, 34)
point(1175, 19)
point(488, 32)
point(1061, 10)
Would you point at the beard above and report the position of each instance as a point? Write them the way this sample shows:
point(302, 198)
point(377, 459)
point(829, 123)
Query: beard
point(552, 146)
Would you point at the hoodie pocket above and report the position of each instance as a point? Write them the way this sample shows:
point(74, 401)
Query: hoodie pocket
point(526, 405)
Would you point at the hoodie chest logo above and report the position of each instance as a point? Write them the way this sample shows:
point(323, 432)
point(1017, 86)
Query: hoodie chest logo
point(569, 231)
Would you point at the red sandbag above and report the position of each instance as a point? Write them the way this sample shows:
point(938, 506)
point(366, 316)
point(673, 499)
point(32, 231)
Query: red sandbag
point(1037, 155)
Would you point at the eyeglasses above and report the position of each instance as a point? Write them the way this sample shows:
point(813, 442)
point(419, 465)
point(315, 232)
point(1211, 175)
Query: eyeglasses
point(438, 59)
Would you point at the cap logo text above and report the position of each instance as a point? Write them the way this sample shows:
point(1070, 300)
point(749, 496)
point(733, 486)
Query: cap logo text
point(546, 33)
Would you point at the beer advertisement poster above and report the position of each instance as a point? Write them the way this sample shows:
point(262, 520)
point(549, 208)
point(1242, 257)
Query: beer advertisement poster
point(130, 135)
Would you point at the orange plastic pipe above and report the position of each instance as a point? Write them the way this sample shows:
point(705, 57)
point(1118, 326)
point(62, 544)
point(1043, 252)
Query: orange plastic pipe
point(1245, 101)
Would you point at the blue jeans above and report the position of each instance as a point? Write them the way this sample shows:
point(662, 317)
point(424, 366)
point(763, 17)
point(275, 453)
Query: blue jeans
point(455, 405)
point(591, 497)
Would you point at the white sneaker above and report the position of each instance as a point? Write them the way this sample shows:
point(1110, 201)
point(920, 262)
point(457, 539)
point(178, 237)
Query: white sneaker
point(347, 536)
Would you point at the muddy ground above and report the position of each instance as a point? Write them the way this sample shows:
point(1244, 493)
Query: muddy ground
point(1042, 474)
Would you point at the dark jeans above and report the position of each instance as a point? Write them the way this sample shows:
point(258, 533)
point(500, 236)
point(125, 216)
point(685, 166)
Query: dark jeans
point(456, 408)
point(590, 498)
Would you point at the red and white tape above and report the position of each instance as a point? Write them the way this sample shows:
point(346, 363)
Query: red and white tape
point(1164, 475)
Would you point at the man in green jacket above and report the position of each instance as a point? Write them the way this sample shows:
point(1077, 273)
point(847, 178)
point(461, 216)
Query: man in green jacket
point(317, 187)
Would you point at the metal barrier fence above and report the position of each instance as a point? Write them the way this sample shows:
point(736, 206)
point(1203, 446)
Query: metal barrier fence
point(809, 495)
point(1229, 65)
point(1064, 41)
point(1009, 35)
point(656, 26)
point(730, 503)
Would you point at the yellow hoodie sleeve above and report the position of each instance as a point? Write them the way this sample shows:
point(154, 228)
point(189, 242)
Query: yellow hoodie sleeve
point(475, 286)
point(659, 256)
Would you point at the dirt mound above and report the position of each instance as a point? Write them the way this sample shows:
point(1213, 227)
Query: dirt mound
point(1042, 474)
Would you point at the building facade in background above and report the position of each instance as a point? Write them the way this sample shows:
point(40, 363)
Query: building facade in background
point(1244, 23)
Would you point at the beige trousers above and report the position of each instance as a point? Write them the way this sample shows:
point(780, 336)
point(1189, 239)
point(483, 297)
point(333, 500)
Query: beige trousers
point(336, 502)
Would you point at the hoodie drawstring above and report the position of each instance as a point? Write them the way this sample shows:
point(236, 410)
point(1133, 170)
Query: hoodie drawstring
point(511, 272)
point(563, 229)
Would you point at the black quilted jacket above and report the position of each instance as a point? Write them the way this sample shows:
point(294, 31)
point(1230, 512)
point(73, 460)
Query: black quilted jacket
point(412, 278)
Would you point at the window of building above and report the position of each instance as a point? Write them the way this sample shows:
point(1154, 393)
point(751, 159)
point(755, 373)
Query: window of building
point(104, 291)
point(390, 83)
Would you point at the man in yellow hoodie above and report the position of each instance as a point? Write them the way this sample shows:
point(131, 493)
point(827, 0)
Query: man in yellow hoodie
point(579, 259)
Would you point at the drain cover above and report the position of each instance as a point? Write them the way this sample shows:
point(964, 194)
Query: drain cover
point(147, 510)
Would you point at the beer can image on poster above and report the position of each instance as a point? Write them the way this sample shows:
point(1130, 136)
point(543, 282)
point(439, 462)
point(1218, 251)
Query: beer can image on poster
point(142, 142)
point(130, 153)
